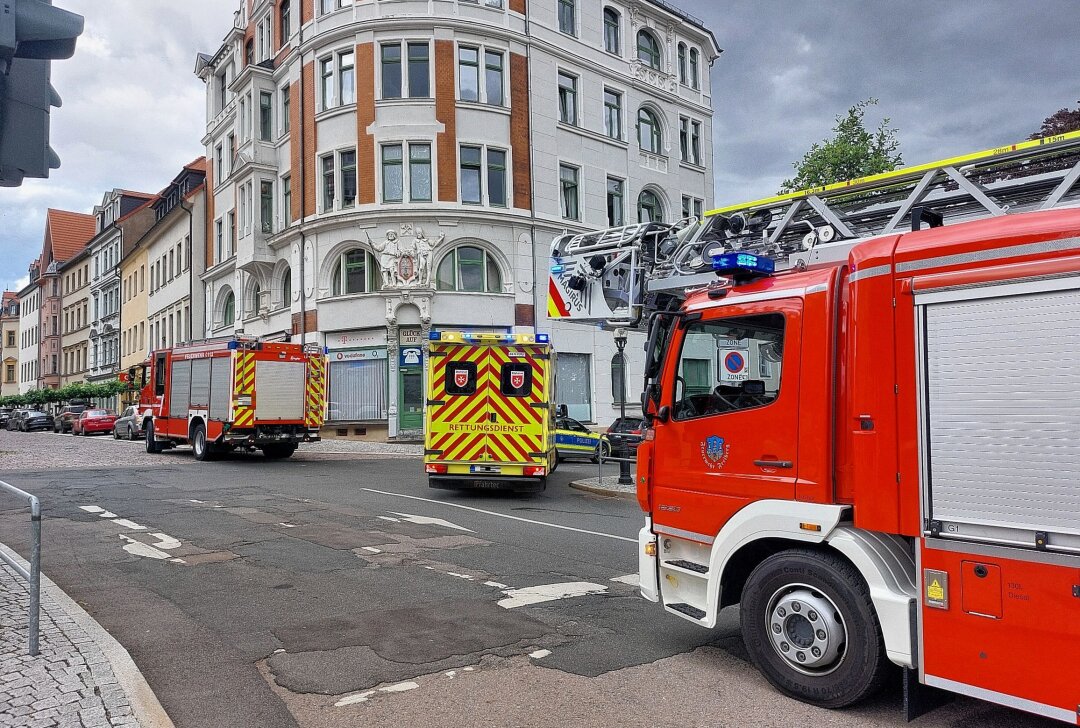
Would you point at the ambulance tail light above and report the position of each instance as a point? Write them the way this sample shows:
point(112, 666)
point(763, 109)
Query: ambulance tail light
point(436, 469)
point(535, 471)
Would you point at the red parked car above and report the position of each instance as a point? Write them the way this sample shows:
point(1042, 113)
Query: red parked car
point(93, 421)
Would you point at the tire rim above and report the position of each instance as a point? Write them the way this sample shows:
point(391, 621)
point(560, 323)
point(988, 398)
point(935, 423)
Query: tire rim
point(200, 442)
point(806, 629)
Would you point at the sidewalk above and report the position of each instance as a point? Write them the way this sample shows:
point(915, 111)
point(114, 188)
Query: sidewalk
point(82, 678)
point(607, 485)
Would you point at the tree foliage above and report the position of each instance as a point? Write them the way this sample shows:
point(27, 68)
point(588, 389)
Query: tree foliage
point(1061, 121)
point(71, 392)
point(852, 151)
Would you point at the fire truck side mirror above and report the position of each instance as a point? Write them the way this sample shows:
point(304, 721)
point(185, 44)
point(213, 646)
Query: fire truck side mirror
point(663, 414)
point(562, 411)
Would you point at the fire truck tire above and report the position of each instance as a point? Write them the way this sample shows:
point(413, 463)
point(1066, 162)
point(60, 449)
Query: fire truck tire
point(199, 446)
point(152, 445)
point(811, 629)
point(278, 452)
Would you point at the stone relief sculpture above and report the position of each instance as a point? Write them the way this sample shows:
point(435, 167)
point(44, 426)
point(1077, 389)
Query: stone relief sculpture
point(405, 256)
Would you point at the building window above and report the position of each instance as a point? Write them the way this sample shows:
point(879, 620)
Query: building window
point(266, 115)
point(256, 294)
point(230, 233)
point(650, 135)
point(612, 42)
point(690, 140)
point(419, 172)
point(615, 196)
point(266, 206)
point(684, 139)
point(649, 207)
point(496, 172)
point(695, 81)
point(568, 184)
point(286, 288)
point(347, 77)
point(692, 207)
point(286, 200)
point(286, 102)
point(328, 179)
point(695, 142)
point(493, 77)
point(613, 113)
point(348, 178)
point(469, 73)
point(573, 385)
point(472, 191)
point(355, 273)
point(223, 91)
point(419, 73)
point(469, 269)
point(285, 21)
point(219, 171)
point(392, 173)
point(390, 58)
point(326, 75)
point(228, 310)
point(219, 248)
point(325, 6)
point(359, 391)
point(682, 63)
point(648, 49)
point(567, 16)
point(567, 98)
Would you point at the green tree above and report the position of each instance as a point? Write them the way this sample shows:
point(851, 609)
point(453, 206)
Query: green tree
point(852, 151)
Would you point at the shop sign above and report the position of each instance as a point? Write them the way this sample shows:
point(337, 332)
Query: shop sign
point(358, 355)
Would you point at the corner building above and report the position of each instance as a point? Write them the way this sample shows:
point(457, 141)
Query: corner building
point(381, 169)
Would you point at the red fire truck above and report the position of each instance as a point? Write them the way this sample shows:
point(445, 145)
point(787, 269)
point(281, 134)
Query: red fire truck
point(867, 436)
point(233, 394)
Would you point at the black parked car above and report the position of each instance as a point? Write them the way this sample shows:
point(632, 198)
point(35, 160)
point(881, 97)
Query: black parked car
point(626, 433)
point(16, 418)
point(5, 415)
point(36, 420)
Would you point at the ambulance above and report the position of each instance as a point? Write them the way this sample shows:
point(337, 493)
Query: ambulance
point(489, 421)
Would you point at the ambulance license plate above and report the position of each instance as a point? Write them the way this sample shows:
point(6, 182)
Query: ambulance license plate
point(485, 469)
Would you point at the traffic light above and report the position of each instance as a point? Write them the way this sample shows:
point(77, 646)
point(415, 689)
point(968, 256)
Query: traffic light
point(32, 34)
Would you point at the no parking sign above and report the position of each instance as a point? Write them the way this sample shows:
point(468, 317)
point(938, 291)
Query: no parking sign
point(733, 365)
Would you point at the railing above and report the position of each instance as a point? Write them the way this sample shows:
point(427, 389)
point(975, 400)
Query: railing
point(624, 453)
point(33, 576)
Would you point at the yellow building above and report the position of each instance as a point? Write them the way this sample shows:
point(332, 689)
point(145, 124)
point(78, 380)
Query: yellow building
point(75, 279)
point(134, 345)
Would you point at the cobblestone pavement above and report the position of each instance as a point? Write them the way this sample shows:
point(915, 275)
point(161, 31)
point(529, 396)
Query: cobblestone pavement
point(48, 450)
point(70, 684)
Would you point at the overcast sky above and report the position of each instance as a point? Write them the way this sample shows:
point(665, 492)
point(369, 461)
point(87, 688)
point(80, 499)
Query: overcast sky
point(954, 77)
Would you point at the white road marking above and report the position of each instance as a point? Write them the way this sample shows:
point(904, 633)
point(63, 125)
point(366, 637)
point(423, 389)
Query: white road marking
point(549, 593)
point(460, 576)
point(178, 561)
point(107, 514)
point(372, 549)
point(392, 520)
point(288, 525)
point(468, 669)
point(450, 674)
point(165, 541)
point(496, 584)
point(92, 509)
point(631, 579)
point(400, 687)
point(500, 515)
point(428, 521)
point(197, 501)
point(128, 524)
point(138, 548)
point(354, 699)
point(539, 654)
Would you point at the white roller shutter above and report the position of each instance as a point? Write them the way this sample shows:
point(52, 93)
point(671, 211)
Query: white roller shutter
point(279, 390)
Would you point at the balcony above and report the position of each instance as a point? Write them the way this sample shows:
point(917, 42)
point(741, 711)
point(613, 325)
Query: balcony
point(653, 162)
point(652, 77)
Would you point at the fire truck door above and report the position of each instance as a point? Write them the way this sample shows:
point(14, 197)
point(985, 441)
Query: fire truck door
point(730, 401)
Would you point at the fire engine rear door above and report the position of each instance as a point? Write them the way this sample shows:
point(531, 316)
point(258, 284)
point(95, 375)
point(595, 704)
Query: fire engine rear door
point(458, 412)
point(517, 404)
point(731, 387)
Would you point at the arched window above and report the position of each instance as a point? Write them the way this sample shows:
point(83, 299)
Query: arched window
point(649, 207)
point(612, 42)
point(355, 272)
point(256, 294)
point(650, 134)
point(286, 288)
point(228, 309)
point(682, 63)
point(694, 83)
point(471, 269)
point(648, 49)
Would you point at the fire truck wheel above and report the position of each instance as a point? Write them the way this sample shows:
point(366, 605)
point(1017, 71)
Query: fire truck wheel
point(811, 629)
point(152, 445)
point(199, 445)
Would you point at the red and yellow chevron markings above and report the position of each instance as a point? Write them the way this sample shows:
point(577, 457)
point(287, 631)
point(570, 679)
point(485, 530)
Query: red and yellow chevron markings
point(557, 307)
point(315, 412)
point(244, 384)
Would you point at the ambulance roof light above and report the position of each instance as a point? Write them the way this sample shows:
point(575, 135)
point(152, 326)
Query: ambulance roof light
point(543, 339)
point(743, 266)
point(434, 335)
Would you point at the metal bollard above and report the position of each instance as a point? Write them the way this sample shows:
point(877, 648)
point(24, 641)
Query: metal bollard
point(33, 576)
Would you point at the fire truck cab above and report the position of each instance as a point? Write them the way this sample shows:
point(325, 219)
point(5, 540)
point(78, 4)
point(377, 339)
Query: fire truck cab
point(239, 393)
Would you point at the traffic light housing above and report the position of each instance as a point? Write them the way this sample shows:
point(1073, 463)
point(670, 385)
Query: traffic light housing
point(33, 33)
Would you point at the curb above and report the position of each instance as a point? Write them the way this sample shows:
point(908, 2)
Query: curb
point(600, 490)
point(144, 703)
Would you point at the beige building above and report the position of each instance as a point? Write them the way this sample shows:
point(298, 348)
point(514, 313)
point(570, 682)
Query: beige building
point(133, 344)
point(75, 279)
point(9, 344)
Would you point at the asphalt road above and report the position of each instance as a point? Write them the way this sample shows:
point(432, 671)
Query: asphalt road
point(263, 594)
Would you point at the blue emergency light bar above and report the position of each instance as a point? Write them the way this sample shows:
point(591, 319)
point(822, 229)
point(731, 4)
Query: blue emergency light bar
point(743, 265)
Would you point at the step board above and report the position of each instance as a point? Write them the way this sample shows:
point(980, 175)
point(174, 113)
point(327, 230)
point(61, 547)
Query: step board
point(688, 610)
point(688, 566)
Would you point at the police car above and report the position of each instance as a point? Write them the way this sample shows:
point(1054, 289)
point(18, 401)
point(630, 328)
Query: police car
point(575, 440)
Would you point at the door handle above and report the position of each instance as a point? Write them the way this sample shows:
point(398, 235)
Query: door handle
point(491, 417)
point(774, 463)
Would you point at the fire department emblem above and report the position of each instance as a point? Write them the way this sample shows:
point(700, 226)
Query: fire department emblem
point(517, 379)
point(461, 377)
point(715, 451)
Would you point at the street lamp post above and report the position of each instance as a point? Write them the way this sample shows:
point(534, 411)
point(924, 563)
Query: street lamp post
point(624, 455)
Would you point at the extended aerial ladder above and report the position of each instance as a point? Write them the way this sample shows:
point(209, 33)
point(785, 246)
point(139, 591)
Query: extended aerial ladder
point(617, 275)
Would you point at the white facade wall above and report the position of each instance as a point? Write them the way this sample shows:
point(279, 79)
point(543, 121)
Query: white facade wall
point(175, 259)
point(29, 337)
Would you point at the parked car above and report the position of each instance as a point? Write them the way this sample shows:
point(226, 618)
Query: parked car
point(625, 433)
point(16, 417)
point(67, 416)
point(575, 440)
point(93, 421)
point(36, 420)
point(129, 424)
point(5, 415)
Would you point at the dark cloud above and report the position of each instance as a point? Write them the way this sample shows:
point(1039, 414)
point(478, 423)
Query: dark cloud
point(953, 76)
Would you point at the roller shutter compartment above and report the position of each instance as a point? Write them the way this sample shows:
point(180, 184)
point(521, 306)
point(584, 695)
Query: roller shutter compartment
point(279, 390)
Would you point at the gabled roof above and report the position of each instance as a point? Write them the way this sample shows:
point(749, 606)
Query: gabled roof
point(7, 298)
point(199, 165)
point(68, 232)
